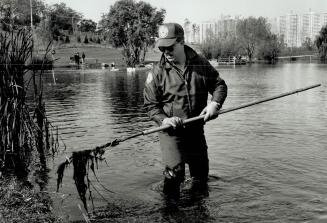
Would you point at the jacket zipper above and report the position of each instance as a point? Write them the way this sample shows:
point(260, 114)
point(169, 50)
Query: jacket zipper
point(186, 86)
point(188, 95)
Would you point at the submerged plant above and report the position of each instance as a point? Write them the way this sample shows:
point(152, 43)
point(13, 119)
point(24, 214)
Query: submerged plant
point(84, 161)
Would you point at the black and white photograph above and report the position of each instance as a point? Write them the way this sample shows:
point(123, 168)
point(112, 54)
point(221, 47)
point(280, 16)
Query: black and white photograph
point(172, 111)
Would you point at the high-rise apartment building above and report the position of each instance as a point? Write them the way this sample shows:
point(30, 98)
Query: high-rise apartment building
point(205, 30)
point(323, 18)
point(297, 28)
point(226, 25)
point(294, 28)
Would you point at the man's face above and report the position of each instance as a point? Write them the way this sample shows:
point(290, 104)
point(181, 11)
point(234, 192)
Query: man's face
point(173, 52)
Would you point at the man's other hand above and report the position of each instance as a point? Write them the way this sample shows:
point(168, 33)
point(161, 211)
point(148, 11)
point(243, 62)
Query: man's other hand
point(211, 111)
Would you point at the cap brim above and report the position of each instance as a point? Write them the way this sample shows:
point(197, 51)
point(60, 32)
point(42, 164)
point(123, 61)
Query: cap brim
point(165, 42)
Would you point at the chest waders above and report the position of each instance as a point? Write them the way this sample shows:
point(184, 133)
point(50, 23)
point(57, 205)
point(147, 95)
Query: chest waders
point(184, 146)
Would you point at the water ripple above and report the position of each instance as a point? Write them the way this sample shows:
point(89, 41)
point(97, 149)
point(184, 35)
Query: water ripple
point(269, 159)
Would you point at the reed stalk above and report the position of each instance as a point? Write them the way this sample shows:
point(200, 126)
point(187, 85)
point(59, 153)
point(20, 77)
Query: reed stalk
point(24, 125)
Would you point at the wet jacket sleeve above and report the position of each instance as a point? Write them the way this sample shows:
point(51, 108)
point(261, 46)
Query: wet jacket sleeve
point(152, 100)
point(216, 85)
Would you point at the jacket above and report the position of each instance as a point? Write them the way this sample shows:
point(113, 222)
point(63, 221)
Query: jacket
point(170, 92)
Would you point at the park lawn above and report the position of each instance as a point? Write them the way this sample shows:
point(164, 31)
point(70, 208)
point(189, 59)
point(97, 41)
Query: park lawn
point(98, 54)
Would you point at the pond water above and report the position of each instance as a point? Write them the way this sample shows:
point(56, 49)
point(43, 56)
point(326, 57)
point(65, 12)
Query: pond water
point(267, 162)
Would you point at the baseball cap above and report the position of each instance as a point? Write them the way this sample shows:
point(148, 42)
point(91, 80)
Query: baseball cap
point(168, 34)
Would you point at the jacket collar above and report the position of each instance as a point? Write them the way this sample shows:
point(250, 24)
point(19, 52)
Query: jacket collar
point(189, 52)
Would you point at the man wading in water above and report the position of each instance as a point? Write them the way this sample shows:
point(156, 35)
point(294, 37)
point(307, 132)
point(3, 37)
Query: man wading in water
point(177, 88)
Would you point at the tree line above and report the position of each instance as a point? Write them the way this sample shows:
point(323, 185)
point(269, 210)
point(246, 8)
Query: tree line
point(52, 19)
point(133, 26)
point(253, 37)
point(129, 25)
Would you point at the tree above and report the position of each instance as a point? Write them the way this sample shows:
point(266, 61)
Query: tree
point(207, 50)
point(61, 17)
point(57, 20)
point(222, 46)
point(251, 32)
point(87, 25)
point(270, 48)
point(210, 48)
point(132, 26)
point(321, 43)
point(16, 13)
point(308, 44)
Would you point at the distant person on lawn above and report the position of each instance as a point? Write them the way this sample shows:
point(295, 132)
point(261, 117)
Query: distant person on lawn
point(77, 58)
point(83, 58)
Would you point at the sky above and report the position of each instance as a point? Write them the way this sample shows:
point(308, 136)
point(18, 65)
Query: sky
point(204, 10)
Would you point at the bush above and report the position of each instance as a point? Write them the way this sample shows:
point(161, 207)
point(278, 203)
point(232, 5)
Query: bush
point(78, 39)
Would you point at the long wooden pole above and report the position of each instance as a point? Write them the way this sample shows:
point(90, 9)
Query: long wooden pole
point(186, 121)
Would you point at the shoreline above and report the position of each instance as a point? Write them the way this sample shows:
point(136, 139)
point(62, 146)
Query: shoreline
point(96, 55)
point(21, 202)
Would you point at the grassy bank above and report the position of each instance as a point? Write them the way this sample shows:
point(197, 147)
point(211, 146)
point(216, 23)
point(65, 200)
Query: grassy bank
point(26, 134)
point(97, 54)
point(100, 53)
point(20, 203)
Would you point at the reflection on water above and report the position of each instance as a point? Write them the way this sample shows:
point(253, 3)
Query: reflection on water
point(267, 162)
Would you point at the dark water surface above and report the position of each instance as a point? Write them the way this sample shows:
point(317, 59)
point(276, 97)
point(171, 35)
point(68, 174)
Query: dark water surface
point(268, 163)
